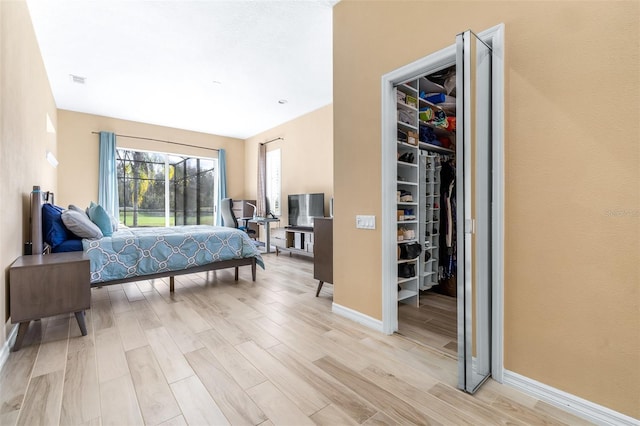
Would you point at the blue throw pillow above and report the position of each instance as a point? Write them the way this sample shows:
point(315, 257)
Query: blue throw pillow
point(100, 217)
point(53, 229)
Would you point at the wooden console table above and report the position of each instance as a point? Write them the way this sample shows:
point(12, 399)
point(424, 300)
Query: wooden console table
point(46, 285)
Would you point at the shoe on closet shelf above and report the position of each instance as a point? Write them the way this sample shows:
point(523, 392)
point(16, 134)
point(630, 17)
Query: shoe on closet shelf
point(407, 157)
point(409, 234)
point(406, 196)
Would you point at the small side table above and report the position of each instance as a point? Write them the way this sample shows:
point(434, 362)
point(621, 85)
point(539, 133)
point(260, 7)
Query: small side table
point(46, 285)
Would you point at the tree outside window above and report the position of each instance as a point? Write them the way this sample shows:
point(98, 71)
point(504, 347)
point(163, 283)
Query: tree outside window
point(157, 189)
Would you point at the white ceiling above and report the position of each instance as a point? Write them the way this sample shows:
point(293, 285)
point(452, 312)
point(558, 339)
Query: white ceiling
point(213, 66)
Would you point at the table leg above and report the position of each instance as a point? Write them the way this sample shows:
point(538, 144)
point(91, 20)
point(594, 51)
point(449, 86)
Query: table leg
point(319, 288)
point(80, 318)
point(267, 231)
point(22, 331)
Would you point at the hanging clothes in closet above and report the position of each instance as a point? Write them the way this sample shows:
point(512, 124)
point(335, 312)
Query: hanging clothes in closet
point(448, 218)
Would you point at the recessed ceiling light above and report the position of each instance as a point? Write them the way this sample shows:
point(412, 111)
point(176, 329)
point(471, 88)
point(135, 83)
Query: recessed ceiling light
point(282, 101)
point(77, 79)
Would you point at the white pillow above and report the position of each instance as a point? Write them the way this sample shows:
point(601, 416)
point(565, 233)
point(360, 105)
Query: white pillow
point(80, 224)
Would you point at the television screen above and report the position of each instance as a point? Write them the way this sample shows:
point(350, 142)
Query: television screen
point(304, 207)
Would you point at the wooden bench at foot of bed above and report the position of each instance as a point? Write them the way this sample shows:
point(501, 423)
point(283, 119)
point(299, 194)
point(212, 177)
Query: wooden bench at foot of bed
point(223, 264)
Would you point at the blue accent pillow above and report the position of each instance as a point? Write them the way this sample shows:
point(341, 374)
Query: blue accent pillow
point(69, 245)
point(53, 229)
point(100, 217)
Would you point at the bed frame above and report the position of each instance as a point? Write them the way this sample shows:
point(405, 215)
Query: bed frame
point(39, 198)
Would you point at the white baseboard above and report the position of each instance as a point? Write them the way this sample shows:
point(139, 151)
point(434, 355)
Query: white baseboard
point(356, 316)
point(574, 404)
point(6, 348)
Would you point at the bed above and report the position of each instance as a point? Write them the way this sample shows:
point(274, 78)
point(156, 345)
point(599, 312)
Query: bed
point(132, 254)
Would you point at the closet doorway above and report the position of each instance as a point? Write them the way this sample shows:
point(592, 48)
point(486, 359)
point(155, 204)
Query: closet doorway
point(442, 190)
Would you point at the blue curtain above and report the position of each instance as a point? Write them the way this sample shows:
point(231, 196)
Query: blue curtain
point(107, 176)
point(222, 183)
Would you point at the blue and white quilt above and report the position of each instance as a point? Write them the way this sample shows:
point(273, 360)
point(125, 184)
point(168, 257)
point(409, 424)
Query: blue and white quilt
point(131, 252)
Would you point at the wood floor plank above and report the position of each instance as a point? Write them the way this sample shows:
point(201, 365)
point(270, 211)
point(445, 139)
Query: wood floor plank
point(304, 345)
point(308, 399)
point(262, 306)
point(441, 367)
point(522, 413)
point(171, 360)
point(280, 409)
point(53, 348)
point(340, 396)
point(133, 292)
point(118, 402)
point(419, 398)
point(235, 404)
point(471, 406)
point(147, 318)
point(189, 317)
point(102, 315)
point(379, 397)
point(176, 421)
point(380, 419)
point(332, 415)
point(131, 333)
point(112, 362)
point(14, 379)
point(42, 401)
point(248, 327)
point(226, 328)
point(197, 405)
point(156, 401)
point(560, 415)
point(340, 346)
point(119, 301)
point(77, 341)
point(237, 366)
point(183, 335)
point(81, 392)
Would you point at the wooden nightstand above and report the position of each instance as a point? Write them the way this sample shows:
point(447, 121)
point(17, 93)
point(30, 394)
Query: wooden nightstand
point(47, 285)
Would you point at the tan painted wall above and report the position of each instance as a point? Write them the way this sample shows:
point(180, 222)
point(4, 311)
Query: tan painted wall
point(78, 151)
point(25, 102)
point(306, 157)
point(572, 278)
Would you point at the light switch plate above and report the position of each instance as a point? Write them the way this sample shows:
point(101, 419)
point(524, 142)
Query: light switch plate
point(365, 222)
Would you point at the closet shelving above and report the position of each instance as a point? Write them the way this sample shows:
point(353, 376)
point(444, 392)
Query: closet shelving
point(430, 225)
point(421, 178)
point(408, 187)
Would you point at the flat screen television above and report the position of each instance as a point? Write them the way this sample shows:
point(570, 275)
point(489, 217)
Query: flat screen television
point(304, 207)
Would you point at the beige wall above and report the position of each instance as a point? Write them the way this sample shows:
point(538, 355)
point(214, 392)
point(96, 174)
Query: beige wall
point(572, 277)
point(78, 151)
point(25, 102)
point(306, 157)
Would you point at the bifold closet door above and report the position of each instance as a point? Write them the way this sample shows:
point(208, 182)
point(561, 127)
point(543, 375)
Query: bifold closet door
point(473, 77)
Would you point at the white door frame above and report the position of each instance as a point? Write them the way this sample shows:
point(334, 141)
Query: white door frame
point(494, 37)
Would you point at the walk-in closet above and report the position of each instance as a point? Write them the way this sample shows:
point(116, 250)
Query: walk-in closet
point(443, 203)
point(426, 214)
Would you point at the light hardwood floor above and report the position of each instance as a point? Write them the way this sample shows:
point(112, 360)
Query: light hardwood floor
point(433, 324)
point(219, 352)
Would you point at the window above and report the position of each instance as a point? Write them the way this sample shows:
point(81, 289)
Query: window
point(273, 181)
point(157, 189)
